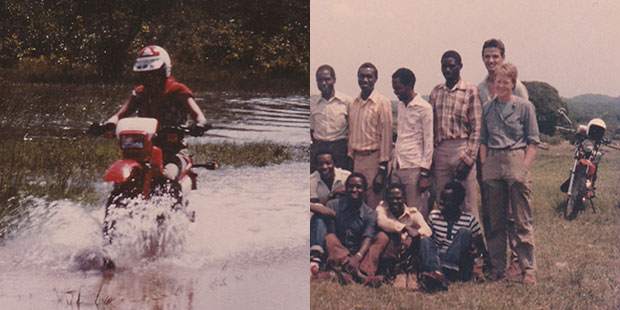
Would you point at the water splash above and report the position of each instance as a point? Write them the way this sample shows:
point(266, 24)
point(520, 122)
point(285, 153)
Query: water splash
point(248, 246)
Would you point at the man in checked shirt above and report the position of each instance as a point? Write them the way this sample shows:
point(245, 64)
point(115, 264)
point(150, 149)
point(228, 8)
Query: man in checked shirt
point(457, 117)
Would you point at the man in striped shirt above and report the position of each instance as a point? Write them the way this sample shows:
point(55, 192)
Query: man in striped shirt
point(449, 251)
point(370, 133)
point(457, 118)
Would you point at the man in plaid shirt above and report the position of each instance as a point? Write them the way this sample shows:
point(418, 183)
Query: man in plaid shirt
point(457, 118)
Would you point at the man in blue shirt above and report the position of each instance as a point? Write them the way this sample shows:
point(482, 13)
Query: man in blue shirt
point(348, 241)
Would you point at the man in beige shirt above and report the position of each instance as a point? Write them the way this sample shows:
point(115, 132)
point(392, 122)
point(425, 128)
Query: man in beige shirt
point(401, 229)
point(370, 133)
point(329, 124)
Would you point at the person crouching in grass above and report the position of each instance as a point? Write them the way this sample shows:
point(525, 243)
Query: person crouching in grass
point(350, 237)
point(456, 240)
point(402, 227)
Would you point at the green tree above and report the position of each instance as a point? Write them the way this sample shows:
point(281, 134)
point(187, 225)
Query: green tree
point(268, 36)
point(547, 101)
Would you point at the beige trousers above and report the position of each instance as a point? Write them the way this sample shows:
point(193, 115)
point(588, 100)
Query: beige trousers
point(368, 165)
point(507, 184)
point(445, 160)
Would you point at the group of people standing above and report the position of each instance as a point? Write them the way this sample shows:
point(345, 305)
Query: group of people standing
point(372, 191)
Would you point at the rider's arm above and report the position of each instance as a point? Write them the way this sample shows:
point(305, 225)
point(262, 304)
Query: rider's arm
point(194, 109)
point(125, 111)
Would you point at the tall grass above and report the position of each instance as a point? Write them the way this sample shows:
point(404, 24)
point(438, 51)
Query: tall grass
point(578, 261)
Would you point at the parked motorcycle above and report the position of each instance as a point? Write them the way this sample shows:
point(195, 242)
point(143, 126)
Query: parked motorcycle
point(140, 171)
point(580, 185)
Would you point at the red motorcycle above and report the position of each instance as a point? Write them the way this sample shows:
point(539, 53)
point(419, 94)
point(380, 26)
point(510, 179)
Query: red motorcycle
point(140, 171)
point(580, 184)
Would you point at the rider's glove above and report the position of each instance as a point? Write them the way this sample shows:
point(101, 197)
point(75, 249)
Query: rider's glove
point(199, 129)
point(97, 129)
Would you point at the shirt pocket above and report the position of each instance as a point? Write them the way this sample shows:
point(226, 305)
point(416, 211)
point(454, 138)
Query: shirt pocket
point(514, 127)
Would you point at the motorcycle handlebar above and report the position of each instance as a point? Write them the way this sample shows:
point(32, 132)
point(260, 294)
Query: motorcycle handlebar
point(195, 130)
point(565, 129)
point(98, 129)
point(608, 143)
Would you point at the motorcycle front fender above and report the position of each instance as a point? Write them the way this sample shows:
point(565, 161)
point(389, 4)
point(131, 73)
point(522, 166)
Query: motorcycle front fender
point(586, 165)
point(121, 170)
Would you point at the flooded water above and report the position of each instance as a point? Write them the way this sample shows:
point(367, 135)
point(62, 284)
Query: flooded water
point(246, 249)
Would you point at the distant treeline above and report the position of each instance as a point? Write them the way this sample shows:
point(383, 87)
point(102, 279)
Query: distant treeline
point(44, 40)
point(581, 109)
point(586, 107)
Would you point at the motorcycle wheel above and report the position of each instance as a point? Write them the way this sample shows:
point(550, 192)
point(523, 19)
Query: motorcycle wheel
point(575, 199)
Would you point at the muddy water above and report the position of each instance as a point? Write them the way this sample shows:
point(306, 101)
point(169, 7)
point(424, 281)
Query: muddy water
point(247, 248)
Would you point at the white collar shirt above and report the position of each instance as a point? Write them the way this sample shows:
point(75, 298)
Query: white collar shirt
point(410, 217)
point(414, 145)
point(320, 190)
point(329, 119)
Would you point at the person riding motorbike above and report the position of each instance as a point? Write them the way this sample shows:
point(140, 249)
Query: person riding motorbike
point(161, 97)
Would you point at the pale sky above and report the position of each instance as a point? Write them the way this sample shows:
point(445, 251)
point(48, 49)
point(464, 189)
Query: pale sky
point(572, 45)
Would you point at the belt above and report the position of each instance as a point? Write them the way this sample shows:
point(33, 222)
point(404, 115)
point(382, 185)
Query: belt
point(508, 148)
point(328, 142)
point(364, 153)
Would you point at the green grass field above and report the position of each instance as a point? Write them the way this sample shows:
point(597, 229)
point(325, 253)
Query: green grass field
point(578, 261)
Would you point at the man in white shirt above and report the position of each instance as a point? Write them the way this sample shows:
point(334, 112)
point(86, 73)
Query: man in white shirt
point(413, 153)
point(493, 55)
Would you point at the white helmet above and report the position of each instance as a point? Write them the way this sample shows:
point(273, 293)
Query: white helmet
point(152, 58)
point(596, 129)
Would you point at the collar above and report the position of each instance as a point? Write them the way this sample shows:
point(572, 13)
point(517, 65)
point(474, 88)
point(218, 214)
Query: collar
point(417, 100)
point(408, 212)
point(373, 96)
point(460, 85)
point(337, 96)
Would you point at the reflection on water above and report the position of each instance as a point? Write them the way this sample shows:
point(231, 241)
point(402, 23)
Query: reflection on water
point(248, 247)
point(282, 120)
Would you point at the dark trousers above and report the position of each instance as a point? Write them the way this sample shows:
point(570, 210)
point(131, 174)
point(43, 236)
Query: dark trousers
point(318, 231)
point(457, 258)
point(399, 255)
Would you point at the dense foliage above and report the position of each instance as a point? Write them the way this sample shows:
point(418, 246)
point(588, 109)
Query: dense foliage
point(547, 101)
point(256, 37)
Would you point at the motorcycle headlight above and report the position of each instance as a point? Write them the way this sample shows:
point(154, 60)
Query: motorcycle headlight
point(132, 142)
point(588, 146)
